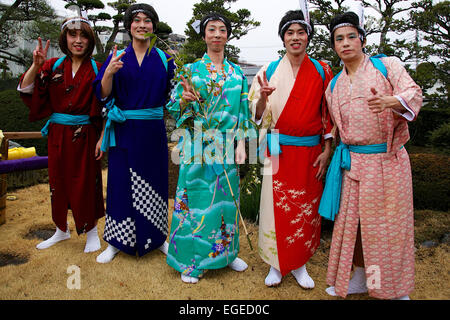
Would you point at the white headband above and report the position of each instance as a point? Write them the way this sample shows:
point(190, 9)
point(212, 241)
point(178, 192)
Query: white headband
point(137, 11)
point(347, 24)
point(213, 19)
point(308, 26)
point(73, 20)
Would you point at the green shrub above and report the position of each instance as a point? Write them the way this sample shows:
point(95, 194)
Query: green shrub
point(440, 137)
point(251, 193)
point(14, 117)
point(431, 181)
point(8, 84)
point(428, 120)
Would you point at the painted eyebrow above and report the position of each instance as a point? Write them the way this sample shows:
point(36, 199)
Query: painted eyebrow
point(140, 17)
point(294, 30)
point(347, 34)
point(220, 28)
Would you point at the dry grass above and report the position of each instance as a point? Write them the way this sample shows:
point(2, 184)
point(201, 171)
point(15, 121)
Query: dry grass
point(45, 275)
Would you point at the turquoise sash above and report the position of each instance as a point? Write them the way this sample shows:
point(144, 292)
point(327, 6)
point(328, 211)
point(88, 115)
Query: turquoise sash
point(331, 197)
point(117, 115)
point(274, 140)
point(65, 119)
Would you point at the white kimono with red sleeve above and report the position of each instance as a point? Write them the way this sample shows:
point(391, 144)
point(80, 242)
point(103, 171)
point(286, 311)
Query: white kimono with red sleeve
point(289, 223)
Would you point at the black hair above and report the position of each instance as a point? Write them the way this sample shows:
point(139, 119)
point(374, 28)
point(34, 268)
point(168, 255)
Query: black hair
point(346, 17)
point(214, 16)
point(134, 9)
point(291, 16)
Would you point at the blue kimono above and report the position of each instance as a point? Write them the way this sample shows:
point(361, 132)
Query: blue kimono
point(137, 190)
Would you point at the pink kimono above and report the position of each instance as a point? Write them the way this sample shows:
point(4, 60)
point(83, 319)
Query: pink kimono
point(377, 190)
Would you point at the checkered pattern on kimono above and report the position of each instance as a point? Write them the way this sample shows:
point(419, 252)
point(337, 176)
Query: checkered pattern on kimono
point(124, 232)
point(148, 202)
point(147, 245)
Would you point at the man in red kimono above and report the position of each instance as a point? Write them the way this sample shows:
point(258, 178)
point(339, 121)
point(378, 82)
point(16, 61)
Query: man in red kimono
point(62, 90)
point(287, 96)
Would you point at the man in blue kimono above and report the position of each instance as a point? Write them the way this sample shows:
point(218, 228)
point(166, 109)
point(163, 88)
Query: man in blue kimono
point(137, 190)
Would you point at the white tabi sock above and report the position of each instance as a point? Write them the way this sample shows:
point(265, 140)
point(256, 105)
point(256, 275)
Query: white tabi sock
point(188, 279)
point(303, 278)
point(238, 265)
point(273, 278)
point(57, 237)
point(107, 255)
point(357, 283)
point(164, 248)
point(92, 241)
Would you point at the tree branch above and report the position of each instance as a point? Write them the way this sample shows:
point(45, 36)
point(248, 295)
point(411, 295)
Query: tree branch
point(8, 12)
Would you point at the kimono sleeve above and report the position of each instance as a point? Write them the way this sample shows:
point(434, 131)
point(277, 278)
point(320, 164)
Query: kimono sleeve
point(95, 112)
point(171, 82)
point(403, 85)
point(328, 96)
point(244, 124)
point(326, 119)
point(39, 101)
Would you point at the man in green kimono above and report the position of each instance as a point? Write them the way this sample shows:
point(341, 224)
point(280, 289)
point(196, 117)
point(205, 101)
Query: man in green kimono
point(212, 99)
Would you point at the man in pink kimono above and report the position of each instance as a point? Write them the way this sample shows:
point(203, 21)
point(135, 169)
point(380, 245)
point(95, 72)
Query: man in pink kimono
point(374, 227)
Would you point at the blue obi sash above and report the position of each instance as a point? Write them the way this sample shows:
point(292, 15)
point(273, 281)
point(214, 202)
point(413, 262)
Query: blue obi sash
point(330, 201)
point(65, 119)
point(274, 140)
point(115, 114)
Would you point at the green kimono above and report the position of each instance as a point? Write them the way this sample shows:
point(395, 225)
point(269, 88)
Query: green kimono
point(205, 223)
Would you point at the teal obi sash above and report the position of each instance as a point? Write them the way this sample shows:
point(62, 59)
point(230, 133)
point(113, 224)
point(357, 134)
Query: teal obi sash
point(274, 140)
point(117, 115)
point(65, 119)
point(330, 201)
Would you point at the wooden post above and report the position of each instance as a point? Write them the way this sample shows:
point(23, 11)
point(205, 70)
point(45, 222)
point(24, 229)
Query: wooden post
point(22, 135)
point(3, 182)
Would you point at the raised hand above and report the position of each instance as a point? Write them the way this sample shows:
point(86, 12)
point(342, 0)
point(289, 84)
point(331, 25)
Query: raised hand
point(188, 92)
point(40, 53)
point(265, 89)
point(115, 64)
point(378, 103)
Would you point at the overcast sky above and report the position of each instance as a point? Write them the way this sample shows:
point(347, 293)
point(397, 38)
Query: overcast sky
point(259, 46)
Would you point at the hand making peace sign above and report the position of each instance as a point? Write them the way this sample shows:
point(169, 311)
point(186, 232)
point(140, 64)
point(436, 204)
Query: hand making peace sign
point(40, 54)
point(188, 92)
point(265, 89)
point(115, 64)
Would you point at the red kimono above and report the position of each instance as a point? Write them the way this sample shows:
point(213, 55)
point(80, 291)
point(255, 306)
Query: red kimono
point(75, 176)
point(289, 222)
